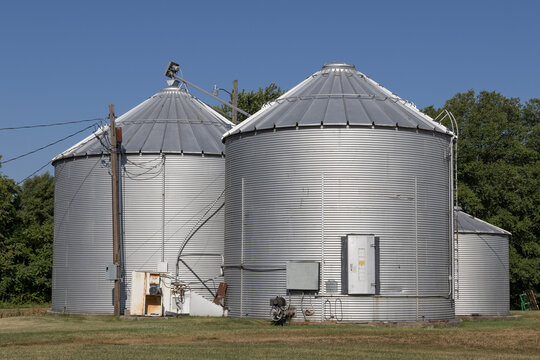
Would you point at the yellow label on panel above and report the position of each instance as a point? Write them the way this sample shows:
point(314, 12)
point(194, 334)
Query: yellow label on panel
point(361, 262)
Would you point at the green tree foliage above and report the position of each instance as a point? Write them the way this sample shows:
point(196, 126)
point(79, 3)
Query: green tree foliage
point(26, 240)
point(8, 206)
point(252, 101)
point(499, 172)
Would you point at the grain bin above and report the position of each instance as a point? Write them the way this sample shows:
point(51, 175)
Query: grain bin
point(339, 201)
point(171, 184)
point(482, 273)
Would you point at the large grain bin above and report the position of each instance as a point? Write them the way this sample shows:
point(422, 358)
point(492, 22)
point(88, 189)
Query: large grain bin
point(338, 198)
point(482, 274)
point(172, 182)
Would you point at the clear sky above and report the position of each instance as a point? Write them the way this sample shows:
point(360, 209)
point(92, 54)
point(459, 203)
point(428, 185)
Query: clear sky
point(67, 60)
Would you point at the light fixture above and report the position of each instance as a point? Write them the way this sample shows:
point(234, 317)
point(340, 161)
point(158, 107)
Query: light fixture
point(215, 91)
point(172, 69)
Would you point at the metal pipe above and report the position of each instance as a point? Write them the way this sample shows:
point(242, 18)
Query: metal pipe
point(212, 96)
point(445, 296)
point(452, 223)
point(234, 100)
point(416, 237)
point(163, 210)
point(206, 254)
point(322, 244)
point(190, 236)
point(255, 268)
point(242, 253)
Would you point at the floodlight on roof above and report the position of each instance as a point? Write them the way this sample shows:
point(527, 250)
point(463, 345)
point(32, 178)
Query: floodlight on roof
point(172, 69)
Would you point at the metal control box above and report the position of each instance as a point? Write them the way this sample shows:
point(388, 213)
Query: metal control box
point(361, 264)
point(110, 272)
point(303, 275)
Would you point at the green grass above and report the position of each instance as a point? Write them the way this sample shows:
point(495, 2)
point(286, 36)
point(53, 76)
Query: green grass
point(9, 305)
point(10, 310)
point(105, 337)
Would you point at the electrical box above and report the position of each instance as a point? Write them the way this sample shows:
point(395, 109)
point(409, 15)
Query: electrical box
point(361, 264)
point(110, 272)
point(153, 299)
point(147, 296)
point(163, 267)
point(331, 286)
point(303, 275)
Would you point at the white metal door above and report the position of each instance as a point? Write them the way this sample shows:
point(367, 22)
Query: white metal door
point(361, 264)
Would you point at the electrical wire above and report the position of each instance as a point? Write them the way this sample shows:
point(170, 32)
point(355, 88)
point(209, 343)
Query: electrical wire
point(147, 171)
point(175, 215)
point(67, 208)
point(46, 146)
point(140, 164)
point(35, 172)
point(105, 146)
point(198, 277)
point(195, 227)
point(52, 124)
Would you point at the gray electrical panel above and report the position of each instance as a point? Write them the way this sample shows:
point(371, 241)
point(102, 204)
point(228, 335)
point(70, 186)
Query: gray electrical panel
point(110, 272)
point(303, 275)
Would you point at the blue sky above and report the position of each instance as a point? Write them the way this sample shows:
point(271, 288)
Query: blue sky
point(67, 60)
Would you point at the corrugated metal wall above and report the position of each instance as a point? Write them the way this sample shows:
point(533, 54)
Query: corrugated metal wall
point(293, 195)
point(82, 236)
point(483, 271)
point(83, 233)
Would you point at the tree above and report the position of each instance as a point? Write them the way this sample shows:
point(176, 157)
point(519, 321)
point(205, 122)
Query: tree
point(9, 199)
point(26, 253)
point(8, 206)
point(252, 101)
point(499, 172)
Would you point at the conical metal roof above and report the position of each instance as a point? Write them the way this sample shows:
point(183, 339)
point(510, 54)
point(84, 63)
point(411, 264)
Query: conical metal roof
point(469, 224)
point(171, 121)
point(338, 94)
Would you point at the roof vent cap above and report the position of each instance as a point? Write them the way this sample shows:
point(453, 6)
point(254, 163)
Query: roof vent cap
point(173, 83)
point(338, 65)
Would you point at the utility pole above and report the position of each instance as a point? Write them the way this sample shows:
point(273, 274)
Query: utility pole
point(234, 100)
point(115, 208)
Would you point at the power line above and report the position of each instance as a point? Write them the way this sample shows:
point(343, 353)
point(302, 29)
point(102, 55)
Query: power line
point(46, 146)
point(52, 124)
point(35, 172)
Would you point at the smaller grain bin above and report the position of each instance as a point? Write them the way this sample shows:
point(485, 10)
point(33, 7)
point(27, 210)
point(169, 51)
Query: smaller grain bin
point(171, 174)
point(482, 277)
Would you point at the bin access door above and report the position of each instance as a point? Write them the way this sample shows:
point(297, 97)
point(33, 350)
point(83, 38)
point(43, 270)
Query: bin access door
point(361, 264)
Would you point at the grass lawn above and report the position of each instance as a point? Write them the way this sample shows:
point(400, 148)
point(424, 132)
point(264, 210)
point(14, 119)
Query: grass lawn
point(9, 310)
point(81, 337)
